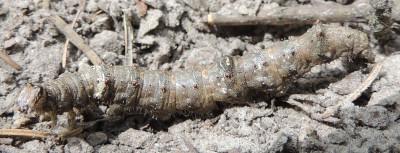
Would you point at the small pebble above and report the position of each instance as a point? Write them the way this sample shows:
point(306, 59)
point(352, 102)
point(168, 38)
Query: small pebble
point(96, 138)
point(77, 145)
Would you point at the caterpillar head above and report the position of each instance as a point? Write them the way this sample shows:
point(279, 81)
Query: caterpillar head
point(31, 98)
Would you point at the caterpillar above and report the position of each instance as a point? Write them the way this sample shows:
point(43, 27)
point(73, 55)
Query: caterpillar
point(196, 90)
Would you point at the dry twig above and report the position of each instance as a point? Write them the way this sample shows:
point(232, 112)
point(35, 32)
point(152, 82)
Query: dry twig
point(353, 96)
point(10, 61)
point(64, 55)
point(300, 15)
point(94, 16)
point(129, 36)
point(25, 133)
point(75, 39)
point(69, 134)
point(298, 104)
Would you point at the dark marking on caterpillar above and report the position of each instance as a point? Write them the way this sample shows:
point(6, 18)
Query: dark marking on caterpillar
point(163, 93)
point(227, 75)
point(320, 34)
point(106, 81)
point(265, 64)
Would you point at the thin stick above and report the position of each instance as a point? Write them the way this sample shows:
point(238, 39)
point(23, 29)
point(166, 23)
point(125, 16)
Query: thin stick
point(37, 134)
point(25, 133)
point(10, 61)
point(75, 39)
point(297, 15)
point(94, 16)
point(354, 95)
point(129, 36)
point(64, 55)
point(69, 134)
point(298, 104)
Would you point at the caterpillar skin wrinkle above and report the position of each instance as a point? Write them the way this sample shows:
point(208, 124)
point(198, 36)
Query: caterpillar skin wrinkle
point(163, 93)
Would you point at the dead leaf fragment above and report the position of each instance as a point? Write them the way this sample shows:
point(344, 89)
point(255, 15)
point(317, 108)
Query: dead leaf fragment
point(142, 8)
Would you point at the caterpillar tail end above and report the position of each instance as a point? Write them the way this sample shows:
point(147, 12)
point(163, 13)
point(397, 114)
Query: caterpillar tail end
point(345, 42)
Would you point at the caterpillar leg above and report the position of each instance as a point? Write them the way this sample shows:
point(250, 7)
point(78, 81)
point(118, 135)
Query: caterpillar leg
point(71, 119)
point(20, 119)
point(53, 117)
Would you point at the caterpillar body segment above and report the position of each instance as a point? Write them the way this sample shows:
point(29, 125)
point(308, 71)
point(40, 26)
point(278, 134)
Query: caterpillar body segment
point(163, 93)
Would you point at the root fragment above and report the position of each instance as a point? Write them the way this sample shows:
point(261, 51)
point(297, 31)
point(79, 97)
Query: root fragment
point(6, 58)
point(353, 96)
point(299, 104)
point(69, 134)
point(94, 16)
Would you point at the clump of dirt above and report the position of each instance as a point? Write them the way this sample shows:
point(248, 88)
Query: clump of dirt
point(172, 35)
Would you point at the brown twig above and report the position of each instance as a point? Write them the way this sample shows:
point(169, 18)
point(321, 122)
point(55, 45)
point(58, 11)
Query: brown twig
point(94, 16)
point(68, 134)
point(299, 15)
point(64, 54)
point(298, 104)
point(10, 61)
point(75, 39)
point(354, 95)
point(25, 133)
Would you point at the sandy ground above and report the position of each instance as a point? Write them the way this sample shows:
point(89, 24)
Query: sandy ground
point(172, 36)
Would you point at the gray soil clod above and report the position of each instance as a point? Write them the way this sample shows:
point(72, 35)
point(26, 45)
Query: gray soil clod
point(172, 36)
